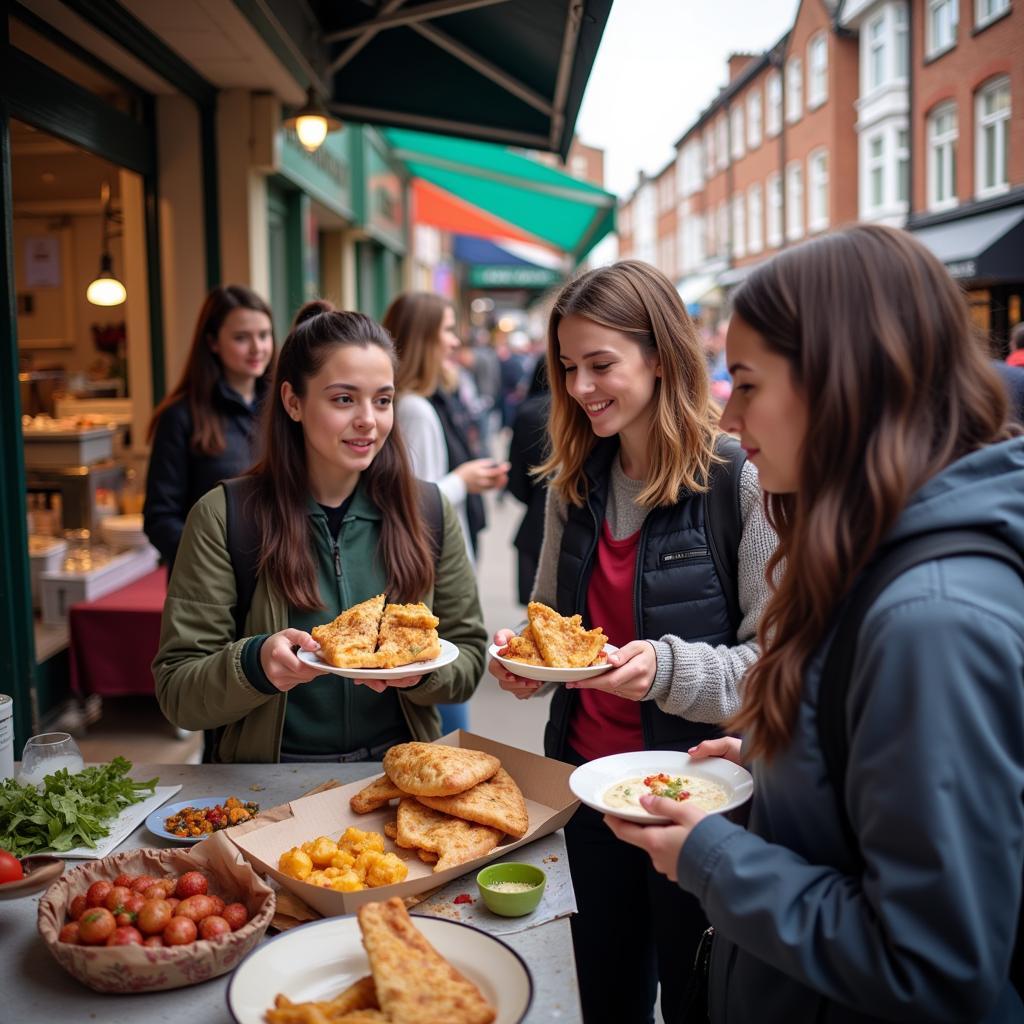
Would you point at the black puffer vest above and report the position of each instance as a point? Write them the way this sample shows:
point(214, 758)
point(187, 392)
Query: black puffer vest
point(683, 585)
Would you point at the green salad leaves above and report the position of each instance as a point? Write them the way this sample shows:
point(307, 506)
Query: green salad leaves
point(71, 810)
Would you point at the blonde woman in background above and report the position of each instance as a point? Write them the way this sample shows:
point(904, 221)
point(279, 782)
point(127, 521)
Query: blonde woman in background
point(432, 421)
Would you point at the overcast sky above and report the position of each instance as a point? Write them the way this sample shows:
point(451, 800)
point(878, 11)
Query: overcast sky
point(659, 64)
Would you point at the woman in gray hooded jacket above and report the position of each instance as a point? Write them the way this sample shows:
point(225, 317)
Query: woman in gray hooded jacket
point(870, 411)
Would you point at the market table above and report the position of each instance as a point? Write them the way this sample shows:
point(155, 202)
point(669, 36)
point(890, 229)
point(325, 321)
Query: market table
point(37, 989)
point(114, 638)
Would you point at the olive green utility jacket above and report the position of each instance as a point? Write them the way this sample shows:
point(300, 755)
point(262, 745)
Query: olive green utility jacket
point(200, 683)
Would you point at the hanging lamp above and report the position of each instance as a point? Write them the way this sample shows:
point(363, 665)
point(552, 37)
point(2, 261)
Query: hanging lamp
point(105, 289)
point(312, 121)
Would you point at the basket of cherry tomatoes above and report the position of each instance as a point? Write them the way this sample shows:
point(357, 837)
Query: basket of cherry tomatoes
point(146, 920)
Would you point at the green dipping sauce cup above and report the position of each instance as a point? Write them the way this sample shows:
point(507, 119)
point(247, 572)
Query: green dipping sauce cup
point(511, 904)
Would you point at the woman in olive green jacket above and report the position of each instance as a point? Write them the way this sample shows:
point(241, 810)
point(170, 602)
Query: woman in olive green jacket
point(338, 514)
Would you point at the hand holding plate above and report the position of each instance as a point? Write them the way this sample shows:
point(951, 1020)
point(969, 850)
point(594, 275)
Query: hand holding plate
point(280, 663)
point(380, 685)
point(631, 677)
point(726, 747)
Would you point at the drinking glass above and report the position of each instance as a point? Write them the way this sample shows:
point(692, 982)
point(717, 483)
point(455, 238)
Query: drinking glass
point(48, 753)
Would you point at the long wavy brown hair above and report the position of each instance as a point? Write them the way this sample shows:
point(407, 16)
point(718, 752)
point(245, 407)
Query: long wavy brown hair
point(414, 322)
point(203, 369)
point(897, 386)
point(640, 302)
point(282, 476)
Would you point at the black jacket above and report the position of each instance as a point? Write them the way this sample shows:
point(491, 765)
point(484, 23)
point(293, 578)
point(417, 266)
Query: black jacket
point(178, 476)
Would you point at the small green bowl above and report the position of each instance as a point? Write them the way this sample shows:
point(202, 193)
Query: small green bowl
point(511, 904)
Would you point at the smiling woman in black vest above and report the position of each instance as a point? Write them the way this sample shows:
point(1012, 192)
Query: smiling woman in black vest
point(654, 529)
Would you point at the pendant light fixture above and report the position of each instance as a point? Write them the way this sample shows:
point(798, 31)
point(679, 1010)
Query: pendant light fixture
point(106, 289)
point(311, 122)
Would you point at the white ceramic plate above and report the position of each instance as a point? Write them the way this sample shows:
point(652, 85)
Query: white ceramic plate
point(592, 780)
point(546, 674)
point(156, 822)
point(449, 652)
point(319, 960)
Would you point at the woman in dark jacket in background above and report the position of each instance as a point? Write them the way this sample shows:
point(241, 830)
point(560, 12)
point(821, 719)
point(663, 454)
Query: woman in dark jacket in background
point(204, 431)
point(529, 448)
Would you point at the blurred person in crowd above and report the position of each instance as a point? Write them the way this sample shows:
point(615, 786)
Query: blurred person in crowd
point(1016, 356)
point(516, 366)
point(434, 425)
point(339, 517)
point(529, 448)
point(205, 430)
point(486, 370)
point(889, 887)
point(718, 371)
point(654, 529)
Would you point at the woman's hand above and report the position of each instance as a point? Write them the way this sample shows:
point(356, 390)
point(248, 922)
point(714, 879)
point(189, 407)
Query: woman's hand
point(662, 842)
point(380, 685)
point(635, 664)
point(726, 746)
point(281, 664)
point(481, 475)
point(519, 687)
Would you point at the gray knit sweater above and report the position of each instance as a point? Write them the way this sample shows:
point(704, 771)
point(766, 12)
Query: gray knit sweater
point(693, 680)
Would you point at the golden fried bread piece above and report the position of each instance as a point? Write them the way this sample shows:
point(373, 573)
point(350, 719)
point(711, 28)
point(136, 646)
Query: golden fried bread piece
point(356, 1005)
point(522, 648)
point(352, 636)
point(434, 769)
point(454, 841)
point(498, 802)
point(408, 633)
point(562, 640)
point(415, 984)
point(427, 856)
point(360, 995)
point(378, 793)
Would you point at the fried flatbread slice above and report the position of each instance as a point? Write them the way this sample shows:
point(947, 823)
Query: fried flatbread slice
point(454, 841)
point(415, 984)
point(378, 793)
point(498, 802)
point(391, 831)
point(523, 648)
point(351, 638)
point(434, 769)
point(360, 995)
point(408, 633)
point(356, 1005)
point(562, 640)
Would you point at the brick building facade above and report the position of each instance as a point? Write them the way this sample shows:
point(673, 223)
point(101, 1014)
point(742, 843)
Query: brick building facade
point(905, 112)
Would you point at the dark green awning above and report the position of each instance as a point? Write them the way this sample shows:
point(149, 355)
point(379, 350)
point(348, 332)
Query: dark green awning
point(567, 213)
point(508, 71)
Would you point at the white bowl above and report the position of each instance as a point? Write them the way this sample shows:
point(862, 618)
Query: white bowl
point(546, 674)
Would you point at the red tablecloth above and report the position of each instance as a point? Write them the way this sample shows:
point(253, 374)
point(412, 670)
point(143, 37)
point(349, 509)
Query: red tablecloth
point(115, 638)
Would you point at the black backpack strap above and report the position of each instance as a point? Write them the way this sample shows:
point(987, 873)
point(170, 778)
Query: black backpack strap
point(723, 515)
point(837, 670)
point(243, 545)
point(432, 509)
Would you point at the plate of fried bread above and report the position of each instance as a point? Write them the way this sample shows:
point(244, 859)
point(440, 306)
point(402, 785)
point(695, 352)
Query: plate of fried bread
point(555, 648)
point(378, 640)
point(381, 965)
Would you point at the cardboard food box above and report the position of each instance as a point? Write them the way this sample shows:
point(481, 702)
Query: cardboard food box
point(544, 783)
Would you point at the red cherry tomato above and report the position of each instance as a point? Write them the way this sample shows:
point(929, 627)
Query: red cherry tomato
point(192, 883)
point(97, 893)
point(125, 936)
point(195, 908)
point(78, 907)
point(180, 931)
point(117, 898)
point(153, 916)
point(214, 927)
point(97, 924)
point(10, 868)
point(153, 940)
point(125, 880)
point(69, 933)
point(236, 915)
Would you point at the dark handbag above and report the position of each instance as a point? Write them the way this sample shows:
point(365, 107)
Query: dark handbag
point(695, 999)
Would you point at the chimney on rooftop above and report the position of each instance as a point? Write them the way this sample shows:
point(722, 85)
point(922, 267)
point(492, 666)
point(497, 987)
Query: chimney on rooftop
point(737, 63)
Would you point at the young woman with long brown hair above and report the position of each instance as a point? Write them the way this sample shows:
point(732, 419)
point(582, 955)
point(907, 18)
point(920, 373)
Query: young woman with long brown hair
point(654, 530)
point(875, 420)
point(204, 431)
point(339, 518)
point(434, 423)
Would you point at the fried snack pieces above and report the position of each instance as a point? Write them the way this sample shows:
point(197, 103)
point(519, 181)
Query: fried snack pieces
point(352, 636)
point(408, 633)
point(415, 984)
point(562, 640)
point(378, 793)
point(453, 840)
point(375, 635)
point(431, 769)
point(356, 1005)
point(497, 802)
point(522, 648)
point(352, 863)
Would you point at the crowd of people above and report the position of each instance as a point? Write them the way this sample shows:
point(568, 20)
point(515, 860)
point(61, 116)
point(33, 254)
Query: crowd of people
point(823, 581)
